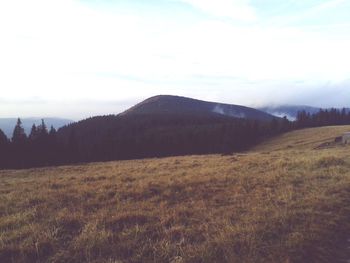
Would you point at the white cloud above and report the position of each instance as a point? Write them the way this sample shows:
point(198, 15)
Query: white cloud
point(235, 9)
point(328, 4)
point(62, 50)
point(316, 10)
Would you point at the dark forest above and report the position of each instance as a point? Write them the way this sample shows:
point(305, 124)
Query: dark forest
point(117, 137)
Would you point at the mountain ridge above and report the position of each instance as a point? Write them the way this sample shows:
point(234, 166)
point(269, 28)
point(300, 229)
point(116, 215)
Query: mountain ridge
point(170, 104)
point(167, 125)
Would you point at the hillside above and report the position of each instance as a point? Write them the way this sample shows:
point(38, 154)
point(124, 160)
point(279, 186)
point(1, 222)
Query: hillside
point(166, 104)
point(134, 135)
point(164, 126)
point(284, 201)
point(304, 139)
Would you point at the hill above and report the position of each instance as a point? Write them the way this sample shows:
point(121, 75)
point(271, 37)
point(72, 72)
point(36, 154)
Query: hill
point(166, 104)
point(134, 136)
point(283, 201)
point(168, 126)
point(7, 124)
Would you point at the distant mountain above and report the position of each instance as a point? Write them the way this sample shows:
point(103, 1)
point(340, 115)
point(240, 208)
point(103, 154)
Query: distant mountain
point(166, 104)
point(166, 126)
point(7, 124)
point(291, 111)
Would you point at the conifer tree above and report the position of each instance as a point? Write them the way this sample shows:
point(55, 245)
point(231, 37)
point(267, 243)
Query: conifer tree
point(4, 143)
point(3, 138)
point(42, 129)
point(19, 136)
point(33, 133)
point(52, 131)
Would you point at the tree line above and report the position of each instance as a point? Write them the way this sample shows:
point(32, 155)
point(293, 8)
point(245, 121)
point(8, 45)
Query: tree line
point(39, 148)
point(114, 137)
point(322, 118)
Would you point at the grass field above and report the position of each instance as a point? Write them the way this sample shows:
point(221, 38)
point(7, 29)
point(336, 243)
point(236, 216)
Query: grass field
point(283, 201)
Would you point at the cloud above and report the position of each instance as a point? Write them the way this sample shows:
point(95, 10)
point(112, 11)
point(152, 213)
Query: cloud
point(235, 9)
point(65, 108)
point(67, 51)
point(328, 94)
point(315, 12)
point(328, 4)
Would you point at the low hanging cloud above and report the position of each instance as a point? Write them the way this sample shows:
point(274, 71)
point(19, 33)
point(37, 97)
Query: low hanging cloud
point(325, 95)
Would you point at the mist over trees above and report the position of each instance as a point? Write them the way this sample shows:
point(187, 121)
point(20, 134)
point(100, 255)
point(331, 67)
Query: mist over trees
point(113, 137)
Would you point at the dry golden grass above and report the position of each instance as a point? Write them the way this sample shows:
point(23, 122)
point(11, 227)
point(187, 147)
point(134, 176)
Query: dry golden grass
point(282, 202)
point(305, 139)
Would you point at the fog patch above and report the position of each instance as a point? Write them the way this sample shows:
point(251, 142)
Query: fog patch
point(228, 111)
point(282, 115)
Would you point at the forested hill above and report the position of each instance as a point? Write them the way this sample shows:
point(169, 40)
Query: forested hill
point(158, 127)
point(156, 135)
point(166, 104)
point(145, 134)
point(169, 125)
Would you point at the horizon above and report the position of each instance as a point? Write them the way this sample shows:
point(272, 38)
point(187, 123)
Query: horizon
point(261, 108)
point(106, 56)
point(264, 108)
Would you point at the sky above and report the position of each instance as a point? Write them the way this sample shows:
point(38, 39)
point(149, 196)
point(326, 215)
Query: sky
point(80, 58)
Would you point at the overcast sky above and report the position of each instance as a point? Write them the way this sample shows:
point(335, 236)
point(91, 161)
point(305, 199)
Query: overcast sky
point(81, 58)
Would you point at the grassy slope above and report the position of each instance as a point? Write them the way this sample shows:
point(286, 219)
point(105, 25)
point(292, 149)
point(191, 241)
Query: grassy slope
point(281, 202)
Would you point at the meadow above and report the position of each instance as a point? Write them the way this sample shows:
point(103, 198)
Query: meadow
point(283, 201)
